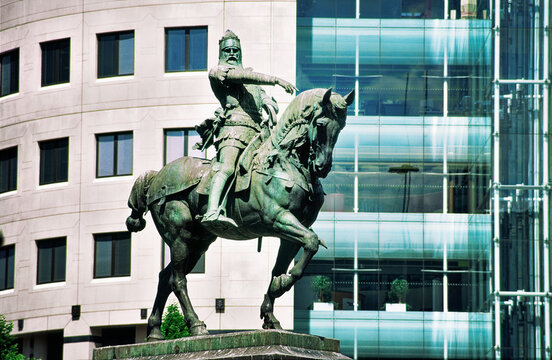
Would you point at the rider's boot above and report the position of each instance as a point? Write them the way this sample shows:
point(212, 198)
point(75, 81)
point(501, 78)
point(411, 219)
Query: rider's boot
point(214, 211)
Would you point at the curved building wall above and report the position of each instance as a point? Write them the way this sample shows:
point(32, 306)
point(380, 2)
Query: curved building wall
point(145, 104)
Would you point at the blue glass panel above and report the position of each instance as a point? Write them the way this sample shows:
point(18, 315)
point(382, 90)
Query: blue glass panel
point(126, 54)
point(174, 146)
point(176, 49)
point(198, 49)
point(194, 138)
point(403, 335)
point(124, 154)
point(106, 155)
point(406, 236)
point(326, 8)
point(402, 45)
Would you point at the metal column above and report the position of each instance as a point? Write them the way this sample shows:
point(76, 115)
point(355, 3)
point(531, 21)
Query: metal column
point(496, 180)
point(540, 188)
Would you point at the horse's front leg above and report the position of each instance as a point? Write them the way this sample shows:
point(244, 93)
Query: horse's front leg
point(289, 228)
point(286, 253)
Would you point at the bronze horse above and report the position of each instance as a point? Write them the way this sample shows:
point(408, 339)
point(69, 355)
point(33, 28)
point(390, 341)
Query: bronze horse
point(282, 200)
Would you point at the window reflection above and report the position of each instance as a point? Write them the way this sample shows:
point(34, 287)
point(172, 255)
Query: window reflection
point(377, 279)
point(401, 168)
point(394, 9)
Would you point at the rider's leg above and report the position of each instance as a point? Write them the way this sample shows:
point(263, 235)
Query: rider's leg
point(228, 156)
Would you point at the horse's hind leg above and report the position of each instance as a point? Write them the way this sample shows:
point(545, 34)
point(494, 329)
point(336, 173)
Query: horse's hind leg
point(156, 316)
point(174, 222)
point(194, 249)
point(286, 253)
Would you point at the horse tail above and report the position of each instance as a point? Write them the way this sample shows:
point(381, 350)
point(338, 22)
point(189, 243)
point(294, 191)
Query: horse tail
point(137, 202)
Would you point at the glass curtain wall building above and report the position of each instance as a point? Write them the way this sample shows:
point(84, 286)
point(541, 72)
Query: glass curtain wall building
point(445, 150)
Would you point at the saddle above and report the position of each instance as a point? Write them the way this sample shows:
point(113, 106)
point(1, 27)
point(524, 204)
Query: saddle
point(187, 172)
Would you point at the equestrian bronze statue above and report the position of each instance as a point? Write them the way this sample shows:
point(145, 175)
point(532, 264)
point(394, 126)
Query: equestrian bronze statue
point(272, 188)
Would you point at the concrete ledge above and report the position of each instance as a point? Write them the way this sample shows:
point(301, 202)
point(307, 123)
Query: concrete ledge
point(258, 344)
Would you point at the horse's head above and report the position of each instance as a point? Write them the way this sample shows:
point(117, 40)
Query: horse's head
point(329, 117)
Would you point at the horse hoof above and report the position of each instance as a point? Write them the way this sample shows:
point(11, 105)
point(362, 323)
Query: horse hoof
point(198, 328)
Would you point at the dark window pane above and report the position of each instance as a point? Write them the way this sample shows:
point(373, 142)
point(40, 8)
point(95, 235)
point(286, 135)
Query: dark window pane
point(8, 169)
point(102, 257)
point(121, 260)
point(7, 267)
point(51, 260)
point(44, 264)
point(115, 54)
point(9, 72)
point(54, 158)
point(55, 62)
point(112, 255)
point(3, 269)
point(59, 264)
point(107, 55)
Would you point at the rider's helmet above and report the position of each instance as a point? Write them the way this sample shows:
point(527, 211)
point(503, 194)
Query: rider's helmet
point(230, 49)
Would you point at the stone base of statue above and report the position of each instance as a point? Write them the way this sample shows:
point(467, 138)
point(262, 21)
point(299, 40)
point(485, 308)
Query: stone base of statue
point(250, 345)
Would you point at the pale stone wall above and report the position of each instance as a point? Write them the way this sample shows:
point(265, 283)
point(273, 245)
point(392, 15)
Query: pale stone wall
point(145, 103)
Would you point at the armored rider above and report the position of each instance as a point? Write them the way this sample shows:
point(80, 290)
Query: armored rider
point(240, 118)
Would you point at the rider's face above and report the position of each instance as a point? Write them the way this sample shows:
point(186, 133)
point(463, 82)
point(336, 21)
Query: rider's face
point(230, 53)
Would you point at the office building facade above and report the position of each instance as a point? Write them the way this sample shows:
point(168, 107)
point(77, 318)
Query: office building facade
point(440, 179)
point(437, 206)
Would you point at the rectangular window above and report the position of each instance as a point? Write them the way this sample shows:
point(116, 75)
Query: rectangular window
point(54, 161)
point(180, 142)
point(114, 154)
point(111, 255)
point(9, 72)
point(55, 61)
point(185, 49)
point(115, 54)
point(7, 261)
point(51, 260)
point(8, 169)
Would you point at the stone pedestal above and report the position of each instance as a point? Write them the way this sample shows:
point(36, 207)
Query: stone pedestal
point(250, 345)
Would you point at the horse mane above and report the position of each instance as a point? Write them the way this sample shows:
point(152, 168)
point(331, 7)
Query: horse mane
point(291, 130)
point(296, 119)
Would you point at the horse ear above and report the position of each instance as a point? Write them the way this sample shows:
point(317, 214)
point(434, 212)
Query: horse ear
point(326, 97)
point(349, 98)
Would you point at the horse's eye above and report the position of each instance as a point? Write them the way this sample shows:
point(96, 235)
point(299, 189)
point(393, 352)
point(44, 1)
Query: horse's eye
point(322, 122)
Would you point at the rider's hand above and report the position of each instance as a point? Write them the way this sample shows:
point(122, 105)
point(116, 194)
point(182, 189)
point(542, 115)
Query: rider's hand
point(288, 87)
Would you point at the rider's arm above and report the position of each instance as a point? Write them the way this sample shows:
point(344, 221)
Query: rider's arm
point(246, 76)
